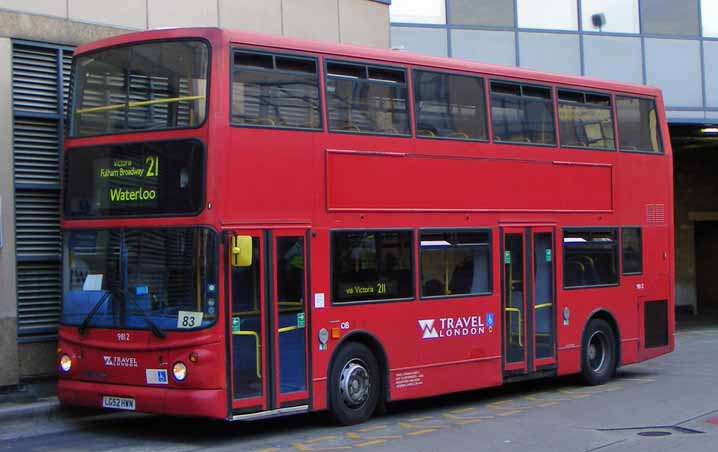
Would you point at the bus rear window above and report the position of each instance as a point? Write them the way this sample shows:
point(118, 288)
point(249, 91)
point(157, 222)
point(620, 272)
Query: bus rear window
point(372, 266)
point(275, 91)
point(638, 125)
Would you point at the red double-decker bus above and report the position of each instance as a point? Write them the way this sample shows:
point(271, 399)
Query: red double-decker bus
point(256, 225)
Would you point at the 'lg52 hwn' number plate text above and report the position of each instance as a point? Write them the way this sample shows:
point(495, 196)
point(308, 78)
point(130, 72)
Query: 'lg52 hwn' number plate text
point(118, 403)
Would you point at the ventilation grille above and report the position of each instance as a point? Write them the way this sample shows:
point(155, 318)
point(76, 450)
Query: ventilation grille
point(655, 323)
point(656, 213)
point(40, 92)
point(39, 296)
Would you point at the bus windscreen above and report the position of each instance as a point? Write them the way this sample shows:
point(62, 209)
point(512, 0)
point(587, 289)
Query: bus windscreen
point(135, 179)
point(146, 86)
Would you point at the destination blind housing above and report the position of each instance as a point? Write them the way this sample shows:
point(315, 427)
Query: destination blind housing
point(157, 178)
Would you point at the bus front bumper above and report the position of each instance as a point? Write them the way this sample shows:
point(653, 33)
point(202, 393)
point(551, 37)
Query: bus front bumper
point(173, 402)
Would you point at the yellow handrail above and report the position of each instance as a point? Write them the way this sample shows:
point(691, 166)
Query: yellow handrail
point(518, 313)
point(137, 104)
point(544, 305)
point(256, 342)
point(288, 328)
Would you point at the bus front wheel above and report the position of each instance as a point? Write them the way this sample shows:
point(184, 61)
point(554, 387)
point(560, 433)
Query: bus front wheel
point(598, 356)
point(354, 384)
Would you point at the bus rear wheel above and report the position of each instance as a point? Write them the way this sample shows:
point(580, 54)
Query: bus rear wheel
point(353, 384)
point(598, 356)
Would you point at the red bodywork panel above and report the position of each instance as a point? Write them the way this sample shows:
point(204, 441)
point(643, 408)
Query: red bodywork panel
point(272, 179)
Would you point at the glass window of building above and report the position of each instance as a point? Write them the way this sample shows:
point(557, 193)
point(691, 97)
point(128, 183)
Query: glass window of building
point(487, 13)
point(548, 14)
point(709, 18)
point(585, 120)
point(621, 16)
point(670, 17)
point(449, 106)
point(522, 113)
point(418, 11)
point(638, 124)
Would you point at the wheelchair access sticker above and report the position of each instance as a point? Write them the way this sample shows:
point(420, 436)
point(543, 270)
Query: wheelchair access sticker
point(156, 376)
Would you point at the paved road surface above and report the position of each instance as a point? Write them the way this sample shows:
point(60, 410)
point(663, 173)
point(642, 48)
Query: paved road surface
point(675, 396)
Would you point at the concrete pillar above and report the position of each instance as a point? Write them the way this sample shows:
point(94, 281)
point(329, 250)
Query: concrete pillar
point(9, 370)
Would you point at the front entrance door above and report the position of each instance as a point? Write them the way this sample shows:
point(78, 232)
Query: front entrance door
point(268, 321)
point(528, 299)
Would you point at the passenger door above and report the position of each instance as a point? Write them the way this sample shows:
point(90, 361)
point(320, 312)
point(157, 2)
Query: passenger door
point(268, 319)
point(528, 299)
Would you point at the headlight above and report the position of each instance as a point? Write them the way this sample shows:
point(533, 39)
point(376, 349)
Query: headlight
point(65, 363)
point(179, 371)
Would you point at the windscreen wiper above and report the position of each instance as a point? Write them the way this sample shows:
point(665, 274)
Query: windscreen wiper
point(156, 330)
point(86, 322)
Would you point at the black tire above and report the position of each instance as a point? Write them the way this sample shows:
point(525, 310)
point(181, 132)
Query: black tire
point(354, 384)
point(598, 353)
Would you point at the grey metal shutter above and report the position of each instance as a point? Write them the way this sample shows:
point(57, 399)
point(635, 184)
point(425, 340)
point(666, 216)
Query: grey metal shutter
point(40, 77)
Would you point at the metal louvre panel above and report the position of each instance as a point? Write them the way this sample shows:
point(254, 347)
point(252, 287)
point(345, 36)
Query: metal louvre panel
point(39, 296)
point(40, 91)
point(66, 69)
point(34, 79)
point(37, 225)
point(36, 142)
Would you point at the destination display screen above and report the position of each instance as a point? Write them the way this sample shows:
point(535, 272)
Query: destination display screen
point(135, 179)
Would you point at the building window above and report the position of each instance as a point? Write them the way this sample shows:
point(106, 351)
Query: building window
point(709, 18)
point(449, 106)
point(372, 266)
point(638, 124)
point(455, 263)
point(548, 14)
point(585, 120)
point(590, 257)
point(486, 13)
point(631, 251)
point(418, 11)
point(367, 99)
point(522, 113)
point(621, 16)
point(670, 17)
point(275, 91)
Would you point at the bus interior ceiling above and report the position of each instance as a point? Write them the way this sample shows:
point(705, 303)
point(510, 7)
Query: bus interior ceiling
point(695, 150)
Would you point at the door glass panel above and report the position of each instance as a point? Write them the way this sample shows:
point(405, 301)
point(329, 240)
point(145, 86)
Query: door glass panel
point(543, 301)
point(514, 305)
point(247, 327)
point(291, 321)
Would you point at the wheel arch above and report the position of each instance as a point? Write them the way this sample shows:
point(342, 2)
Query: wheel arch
point(374, 345)
point(605, 315)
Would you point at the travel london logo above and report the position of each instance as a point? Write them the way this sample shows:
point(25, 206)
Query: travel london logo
point(472, 325)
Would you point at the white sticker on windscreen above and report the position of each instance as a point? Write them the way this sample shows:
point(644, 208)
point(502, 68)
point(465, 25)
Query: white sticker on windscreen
point(189, 319)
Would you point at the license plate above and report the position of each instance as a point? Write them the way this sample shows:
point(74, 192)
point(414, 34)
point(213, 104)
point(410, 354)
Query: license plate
point(118, 403)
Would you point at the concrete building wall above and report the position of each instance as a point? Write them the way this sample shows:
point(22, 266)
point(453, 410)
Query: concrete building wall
point(364, 22)
point(75, 22)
